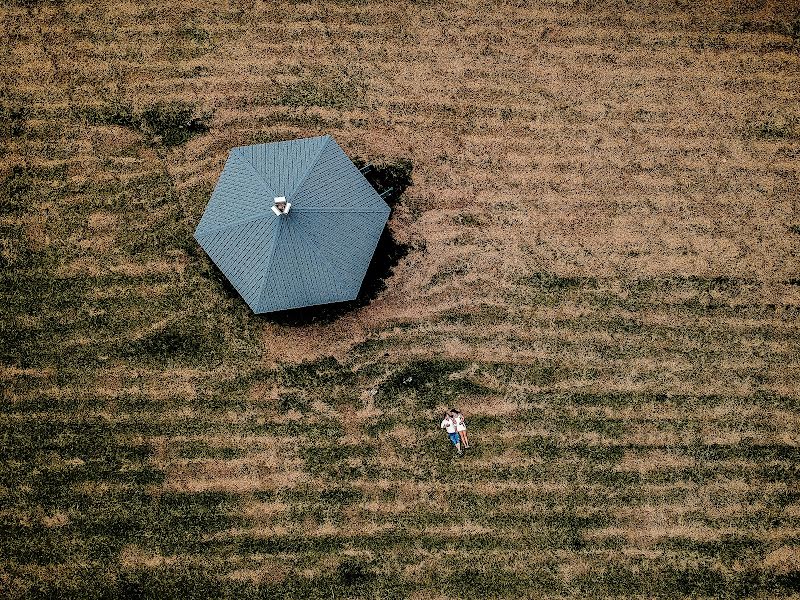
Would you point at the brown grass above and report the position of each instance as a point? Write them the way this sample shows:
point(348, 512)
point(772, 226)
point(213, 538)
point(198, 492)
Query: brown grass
point(642, 156)
point(784, 560)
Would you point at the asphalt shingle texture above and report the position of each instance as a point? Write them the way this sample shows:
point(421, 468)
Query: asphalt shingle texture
point(319, 251)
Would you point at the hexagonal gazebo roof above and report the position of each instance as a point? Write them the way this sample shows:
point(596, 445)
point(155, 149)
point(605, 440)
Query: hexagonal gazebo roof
point(319, 250)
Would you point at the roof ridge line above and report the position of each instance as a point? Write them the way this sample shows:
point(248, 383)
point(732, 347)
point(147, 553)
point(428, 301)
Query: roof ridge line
point(250, 166)
point(321, 253)
point(282, 224)
point(310, 166)
point(345, 209)
point(229, 225)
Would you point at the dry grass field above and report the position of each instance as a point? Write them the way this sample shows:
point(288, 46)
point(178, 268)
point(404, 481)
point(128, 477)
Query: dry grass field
point(602, 272)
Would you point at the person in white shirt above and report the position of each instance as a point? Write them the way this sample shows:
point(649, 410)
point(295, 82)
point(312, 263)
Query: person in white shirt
point(461, 427)
point(449, 425)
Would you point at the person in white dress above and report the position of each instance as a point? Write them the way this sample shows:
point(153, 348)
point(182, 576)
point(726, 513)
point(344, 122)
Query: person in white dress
point(461, 427)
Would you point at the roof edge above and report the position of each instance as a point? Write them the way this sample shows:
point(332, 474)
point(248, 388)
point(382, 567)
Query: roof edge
point(282, 227)
point(313, 137)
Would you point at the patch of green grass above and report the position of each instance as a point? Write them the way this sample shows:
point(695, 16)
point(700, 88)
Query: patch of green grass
point(793, 29)
point(567, 528)
point(354, 572)
point(472, 581)
point(190, 41)
point(111, 113)
point(304, 120)
point(12, 120)
point(774, 130)
point(481, 315)
point(341, 91)
point(171, 234)
point(321, 374)
point(357, 579)
point(744, 451)
point(289, 401)
point(332, 459)
point(686, 283)
point(536, 373)
point(194, 33)
point(177, 581)
point(340, 496)
point(652, 580)
point(14, 190)
point(24, 186)
point(767, 400)
point(376, 427)
point(470, 220)
point(182, 341)
point(200, 449)
point(91, 439)
point(324, 431)
point(361, 578)
point(708, 42)
point(379, 543)
point(184, 519)
point(34, 291)
point(173, 123)
point(427, 383)
point(544, 447)
point(169, 123)
point(780, 472)
point(550, 282)
point(98, 528)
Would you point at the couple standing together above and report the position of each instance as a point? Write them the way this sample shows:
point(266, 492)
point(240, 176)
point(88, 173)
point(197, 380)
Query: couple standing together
point(456, 429)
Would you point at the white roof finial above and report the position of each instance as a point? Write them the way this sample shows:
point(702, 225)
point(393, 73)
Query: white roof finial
point(281, 206)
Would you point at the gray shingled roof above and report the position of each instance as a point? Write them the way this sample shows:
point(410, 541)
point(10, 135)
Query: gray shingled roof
point(318, 252)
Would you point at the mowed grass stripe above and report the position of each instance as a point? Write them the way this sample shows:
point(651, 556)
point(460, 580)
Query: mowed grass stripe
point(632, 339)
point(679, 516)
point(660, 581)
point(608, 359)
point(607, 311)
point(626, 494)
